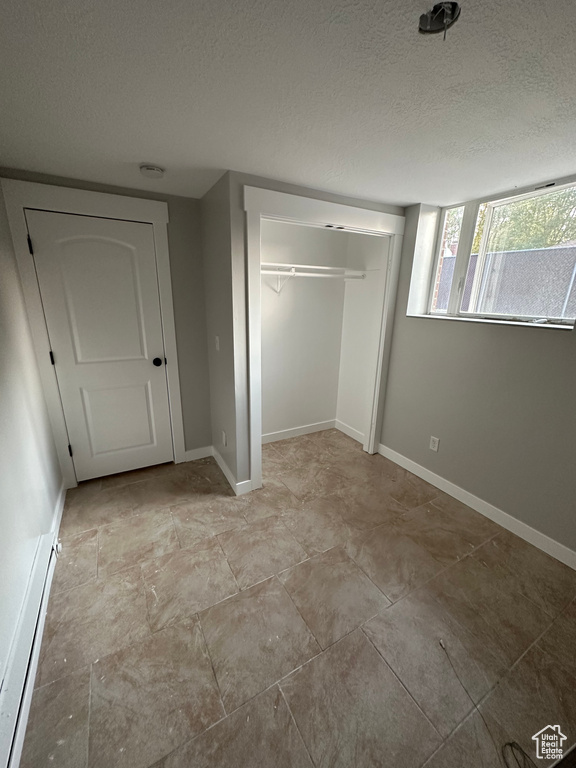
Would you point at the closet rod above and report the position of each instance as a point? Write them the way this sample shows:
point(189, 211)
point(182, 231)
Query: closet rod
point(342, 276)
point(313, 267)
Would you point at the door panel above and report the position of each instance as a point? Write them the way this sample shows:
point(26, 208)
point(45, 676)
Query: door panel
point(119, 418)
point(100, 295)
point(103, 330)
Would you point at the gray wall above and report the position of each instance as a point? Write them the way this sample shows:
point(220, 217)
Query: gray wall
point(501, 400)
point(188, 293)
point(30, 478)
point(184, 239)
point(219, 317)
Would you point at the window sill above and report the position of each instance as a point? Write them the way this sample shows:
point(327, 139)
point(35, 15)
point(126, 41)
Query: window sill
point(489, 321)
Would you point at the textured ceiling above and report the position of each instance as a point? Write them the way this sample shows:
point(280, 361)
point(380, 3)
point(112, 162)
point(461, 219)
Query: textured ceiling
point(341, 95)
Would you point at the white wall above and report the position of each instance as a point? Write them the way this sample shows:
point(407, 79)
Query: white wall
point(360, 332)
point(30, 478)
point(319, 337)
point(301, 328)
point(501, 400)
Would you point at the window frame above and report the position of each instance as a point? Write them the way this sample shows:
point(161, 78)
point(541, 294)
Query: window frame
point(464, 252)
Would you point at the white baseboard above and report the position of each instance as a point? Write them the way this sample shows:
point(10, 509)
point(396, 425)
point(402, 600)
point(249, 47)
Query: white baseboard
point(198, 453)
point(19, 681)
point(243, 487)
point(350, 431)
point(239, 488)
point(306, 429)
point(16, 693)
point(58, 509)
point(525, 531)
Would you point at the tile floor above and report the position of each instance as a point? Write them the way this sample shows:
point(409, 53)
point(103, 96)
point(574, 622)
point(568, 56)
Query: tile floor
point(347, 615)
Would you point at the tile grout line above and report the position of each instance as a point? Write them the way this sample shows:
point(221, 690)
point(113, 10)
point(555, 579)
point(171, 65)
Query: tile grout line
point(144, 586)
point(63, 677)
point(174, 529)
point(175, 526)
point(475, 706)
point(278, 682)
point(313, 762)
point(452, 732)
point(391, 602)
point(94, 577)
point(232, 712)
point(523, 654)
point(97, 554)
point(289, 532)
point(492, 688)
point(299, 612)
point(110, 653)
point(527, 597)
point(89, 716)
point(436, 575)
point(213, 671)
point(231, 571)
point(284, 677)
point(402, 684)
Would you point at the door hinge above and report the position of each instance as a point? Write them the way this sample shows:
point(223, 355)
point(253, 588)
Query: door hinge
point(52, 357)
point(30, 245)
point(69, 449)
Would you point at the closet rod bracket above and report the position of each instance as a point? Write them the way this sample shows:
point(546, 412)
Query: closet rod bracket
point(282, 278)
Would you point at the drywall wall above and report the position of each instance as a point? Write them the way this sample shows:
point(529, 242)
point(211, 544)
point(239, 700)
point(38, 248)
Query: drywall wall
point(30, 478)
point(501, 400)
point(184, 242)
point(301, 329)
point(219, 318)
point(362, 320)
point(188, 293)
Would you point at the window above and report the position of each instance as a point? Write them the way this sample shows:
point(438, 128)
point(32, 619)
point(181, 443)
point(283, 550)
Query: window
point(451, 227)
point(510, 259)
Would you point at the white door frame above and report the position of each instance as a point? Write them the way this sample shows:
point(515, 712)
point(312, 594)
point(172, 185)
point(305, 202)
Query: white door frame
point(18, 196)
point(263, 203)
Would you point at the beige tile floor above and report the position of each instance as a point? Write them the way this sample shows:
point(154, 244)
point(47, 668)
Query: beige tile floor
point(347, 615)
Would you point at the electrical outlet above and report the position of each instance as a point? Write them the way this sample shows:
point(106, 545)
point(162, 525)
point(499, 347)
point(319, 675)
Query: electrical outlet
point(217, 343)
point(434, 444)
point(224, 439)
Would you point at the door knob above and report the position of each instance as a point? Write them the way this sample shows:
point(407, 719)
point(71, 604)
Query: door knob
point(157, 361)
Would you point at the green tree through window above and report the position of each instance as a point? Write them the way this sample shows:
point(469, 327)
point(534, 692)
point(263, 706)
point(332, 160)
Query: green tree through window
point(544, 221)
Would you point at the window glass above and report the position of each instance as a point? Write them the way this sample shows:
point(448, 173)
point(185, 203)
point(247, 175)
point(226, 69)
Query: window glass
point(524, 265)
point(446, 259)
point(473, 263)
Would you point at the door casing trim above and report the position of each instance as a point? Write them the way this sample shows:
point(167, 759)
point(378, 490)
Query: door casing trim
point(19, 195)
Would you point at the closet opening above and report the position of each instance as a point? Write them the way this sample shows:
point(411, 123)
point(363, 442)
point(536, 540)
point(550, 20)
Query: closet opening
point(320, 301)
point(322, 293)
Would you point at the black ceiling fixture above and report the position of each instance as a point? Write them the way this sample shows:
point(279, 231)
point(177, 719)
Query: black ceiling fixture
point(440, 18)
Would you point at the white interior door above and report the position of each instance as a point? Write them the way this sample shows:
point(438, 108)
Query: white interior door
point(99, 290)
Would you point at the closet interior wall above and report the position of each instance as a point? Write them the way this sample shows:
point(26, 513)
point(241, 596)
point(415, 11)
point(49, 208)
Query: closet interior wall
point(319, 335)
